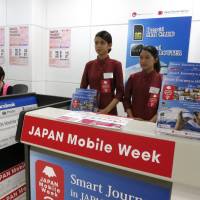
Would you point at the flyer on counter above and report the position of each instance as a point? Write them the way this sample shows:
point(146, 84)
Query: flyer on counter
point(94, 119)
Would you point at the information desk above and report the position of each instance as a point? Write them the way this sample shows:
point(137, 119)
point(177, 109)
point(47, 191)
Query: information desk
point(82, 158)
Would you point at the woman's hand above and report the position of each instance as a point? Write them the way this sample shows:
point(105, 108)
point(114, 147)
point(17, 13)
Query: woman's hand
point(102, 111)
point(139, 119)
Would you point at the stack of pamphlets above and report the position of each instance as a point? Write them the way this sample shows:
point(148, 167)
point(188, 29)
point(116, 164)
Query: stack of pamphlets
point(179, 106)
point(94, 119)
point(84, 100)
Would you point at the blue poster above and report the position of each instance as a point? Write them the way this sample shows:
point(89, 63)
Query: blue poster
point(169, 35)
point(179, 107)
point(54, 178)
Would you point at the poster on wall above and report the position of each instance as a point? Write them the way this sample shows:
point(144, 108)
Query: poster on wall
point(18, 45)
point(169, 35)
point(2, 42)
point(56, 178)
point(59, 47)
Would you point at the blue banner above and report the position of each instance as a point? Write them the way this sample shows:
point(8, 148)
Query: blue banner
point(169, 35)
point(17, 102)
point(56, 178)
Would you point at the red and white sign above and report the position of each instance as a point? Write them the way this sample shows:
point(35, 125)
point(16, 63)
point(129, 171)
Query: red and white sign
point(168, 92)
point(12, 178)
point(132, 151)
point(49, 181)
point(17, 194)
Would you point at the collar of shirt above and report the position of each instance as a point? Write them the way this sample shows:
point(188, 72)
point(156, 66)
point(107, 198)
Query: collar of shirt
point(148, 75)
point(102, 61)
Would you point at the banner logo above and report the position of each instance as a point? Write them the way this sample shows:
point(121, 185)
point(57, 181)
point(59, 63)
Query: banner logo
point(49, 181)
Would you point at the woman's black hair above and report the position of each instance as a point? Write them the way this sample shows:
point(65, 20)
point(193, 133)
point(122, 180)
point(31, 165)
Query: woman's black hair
point(154, 52)
point(105, 36)
point(2, 73)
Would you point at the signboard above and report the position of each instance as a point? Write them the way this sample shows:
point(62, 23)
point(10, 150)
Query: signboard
point(9, 114)
point(18, 45)
point(17, 194)
point(127, 150)
point(11, 178)
point(169, 35)
point(59, 47)
point(54, 178)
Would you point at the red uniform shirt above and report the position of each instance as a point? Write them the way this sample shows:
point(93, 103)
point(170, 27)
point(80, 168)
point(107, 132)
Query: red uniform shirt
point(107, 78)
point(142, 94)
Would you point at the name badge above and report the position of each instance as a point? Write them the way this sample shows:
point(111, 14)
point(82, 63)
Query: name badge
point(153, 100)
point(105, 86)
point(108, 75)
point(154, 90)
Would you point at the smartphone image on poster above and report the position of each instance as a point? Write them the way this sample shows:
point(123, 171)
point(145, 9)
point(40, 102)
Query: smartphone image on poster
point(135, 49)
point(138, 32)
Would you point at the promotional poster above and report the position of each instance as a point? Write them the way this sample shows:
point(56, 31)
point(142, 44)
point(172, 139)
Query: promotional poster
point(59, 47)
point(179, 108)
point(18, 45)
point(169, 35)
point(55, 179)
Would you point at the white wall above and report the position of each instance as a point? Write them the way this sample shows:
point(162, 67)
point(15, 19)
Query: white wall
point(31, 13)
point(17, 13)
point(2, 12)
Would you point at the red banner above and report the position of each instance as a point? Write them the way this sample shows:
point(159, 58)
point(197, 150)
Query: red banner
point(132, 151)
point(16, 193)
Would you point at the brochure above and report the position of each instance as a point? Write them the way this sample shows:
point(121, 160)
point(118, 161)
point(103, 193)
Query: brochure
point(84, 100)
point(94, 119)
point(179, 106)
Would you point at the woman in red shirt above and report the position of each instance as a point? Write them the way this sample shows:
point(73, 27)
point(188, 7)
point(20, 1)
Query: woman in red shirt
point(143, 88)
point(105, 75)
point(5, 88)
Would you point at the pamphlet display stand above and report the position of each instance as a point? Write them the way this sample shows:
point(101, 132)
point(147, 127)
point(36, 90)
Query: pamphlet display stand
point(72, 158)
